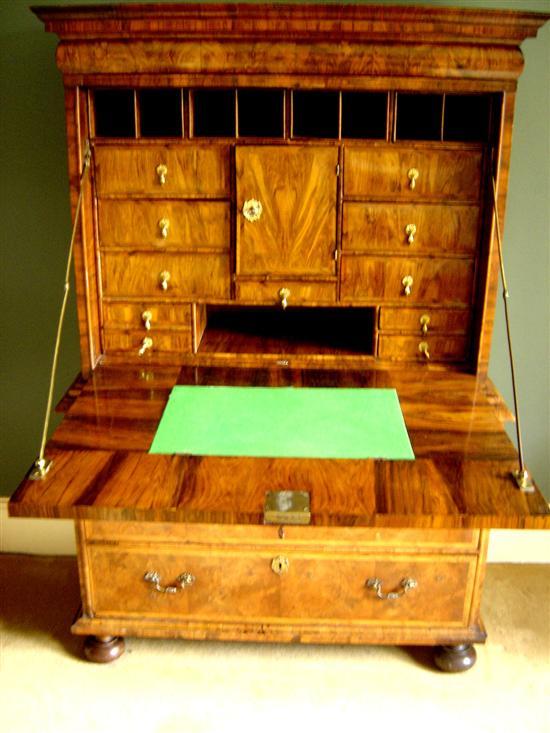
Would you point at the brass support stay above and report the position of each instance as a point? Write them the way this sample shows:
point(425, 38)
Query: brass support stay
point(42, 464)
point(521, 476)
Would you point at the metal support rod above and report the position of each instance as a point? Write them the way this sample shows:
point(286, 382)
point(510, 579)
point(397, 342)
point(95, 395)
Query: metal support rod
point(521, 476)
point(42, 465)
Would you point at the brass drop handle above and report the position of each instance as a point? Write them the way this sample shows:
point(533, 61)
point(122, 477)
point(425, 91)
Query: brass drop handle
point(182, 581)
point(410, 231)
point(164, 226)
point(424, 349)
point(146, 344)
point(280, 565)
point(412, 175)
point(424, 322)
point(147, 317)
point(164, 279)
point(284, 295)
point(407, 283)
point(162, 172)
point(407, 584)
point(252, 210)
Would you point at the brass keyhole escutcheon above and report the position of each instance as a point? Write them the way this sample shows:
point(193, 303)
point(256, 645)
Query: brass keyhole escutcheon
point(410, 231)
point(280, 565)
point(424, 322)
point(252, 210)
point(162, 172)
point(413, 175)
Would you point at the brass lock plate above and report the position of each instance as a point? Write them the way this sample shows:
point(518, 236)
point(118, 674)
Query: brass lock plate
point(287, 507)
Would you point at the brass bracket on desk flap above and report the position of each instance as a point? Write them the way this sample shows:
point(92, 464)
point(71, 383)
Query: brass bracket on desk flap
point(42, 464)
point(287, 507)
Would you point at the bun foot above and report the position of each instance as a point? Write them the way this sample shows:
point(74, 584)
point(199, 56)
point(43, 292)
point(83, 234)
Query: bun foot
point(103, 649)
point(458, 658)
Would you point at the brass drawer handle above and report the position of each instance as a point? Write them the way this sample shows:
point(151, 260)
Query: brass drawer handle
point(164, 279)
point(412, 175)
point(280, 565)
point(424, 349)
point(162, 172)
point(410, 231)
point(164, 226)
point(406, 584)
point(182, 581)
point(252, 210)
point(146, 344)
point(284, 295)
point(407, 284)
point(424, 322)
point(147, 317)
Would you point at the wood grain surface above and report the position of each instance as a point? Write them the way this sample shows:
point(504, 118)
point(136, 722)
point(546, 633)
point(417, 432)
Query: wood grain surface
point(459, 479)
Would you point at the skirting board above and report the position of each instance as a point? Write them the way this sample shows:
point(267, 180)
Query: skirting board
point(56, 537)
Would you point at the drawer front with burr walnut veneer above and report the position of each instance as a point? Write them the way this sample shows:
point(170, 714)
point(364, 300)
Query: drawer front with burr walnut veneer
point(210, 574)
point(286, 197)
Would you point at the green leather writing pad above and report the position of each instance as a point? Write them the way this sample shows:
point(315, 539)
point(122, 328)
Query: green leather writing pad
point(284, 422)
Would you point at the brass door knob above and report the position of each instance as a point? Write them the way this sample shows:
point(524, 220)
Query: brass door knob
point(147, 317)
point(164, 226)
point(146, 344)
point(162, 172)
point(410, 231)
point(407, 284)
point(413, 175)
point(424, 349)
point(424, 322)
point(284, 295)
point(164, 279)
point(252, 210)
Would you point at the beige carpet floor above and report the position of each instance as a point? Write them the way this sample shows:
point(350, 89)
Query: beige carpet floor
point(207, 687)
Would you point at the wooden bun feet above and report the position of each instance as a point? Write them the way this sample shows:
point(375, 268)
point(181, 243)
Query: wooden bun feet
point(458, 658)
point(103, 649)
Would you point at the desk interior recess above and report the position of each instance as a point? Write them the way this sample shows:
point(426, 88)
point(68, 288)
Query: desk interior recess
point(339, 227)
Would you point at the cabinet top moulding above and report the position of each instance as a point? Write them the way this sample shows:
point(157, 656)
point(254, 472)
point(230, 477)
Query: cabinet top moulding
point(296, 22)
point(383, 41)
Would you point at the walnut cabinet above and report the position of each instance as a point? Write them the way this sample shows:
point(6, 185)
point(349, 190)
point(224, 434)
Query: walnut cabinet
point(286, 196)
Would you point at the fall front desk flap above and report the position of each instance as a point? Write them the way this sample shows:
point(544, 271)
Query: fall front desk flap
point(284, 422)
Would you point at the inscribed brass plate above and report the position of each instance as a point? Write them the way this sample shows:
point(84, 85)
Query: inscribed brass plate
point(287, 507)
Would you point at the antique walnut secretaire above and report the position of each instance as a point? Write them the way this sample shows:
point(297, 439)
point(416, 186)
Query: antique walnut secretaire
point(300, 197)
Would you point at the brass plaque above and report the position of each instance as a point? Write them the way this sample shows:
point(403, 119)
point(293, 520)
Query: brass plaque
point(287, 507)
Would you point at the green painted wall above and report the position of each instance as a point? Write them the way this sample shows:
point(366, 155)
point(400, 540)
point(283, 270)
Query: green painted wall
point(35, 228)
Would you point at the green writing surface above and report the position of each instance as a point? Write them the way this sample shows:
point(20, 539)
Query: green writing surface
point(286, 422)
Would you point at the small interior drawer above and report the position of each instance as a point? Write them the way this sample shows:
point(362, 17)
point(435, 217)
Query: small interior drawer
point(422, 348)
point(424, 320)
point(410, 228)
point(273, 291)
point(414, 174)
point(161, 223)
point(185, 275)
point(135, 315)
point(162, 170)
point(407, 280)
point(146, 343)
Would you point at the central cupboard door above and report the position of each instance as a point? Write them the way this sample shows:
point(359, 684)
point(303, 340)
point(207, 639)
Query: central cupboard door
point(286, 211)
